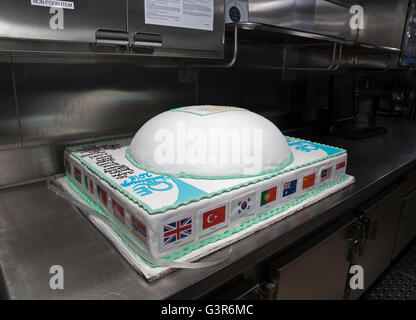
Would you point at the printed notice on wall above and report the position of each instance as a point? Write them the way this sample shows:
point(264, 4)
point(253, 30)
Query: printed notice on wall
point(53, 3)
point(193, 14)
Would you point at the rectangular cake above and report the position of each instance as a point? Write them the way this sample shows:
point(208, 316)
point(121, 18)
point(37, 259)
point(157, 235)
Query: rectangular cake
point(166, 217)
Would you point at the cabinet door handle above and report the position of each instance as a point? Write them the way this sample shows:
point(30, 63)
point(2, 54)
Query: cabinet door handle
point(371, 229)
point(147, 40)
point(111, 37)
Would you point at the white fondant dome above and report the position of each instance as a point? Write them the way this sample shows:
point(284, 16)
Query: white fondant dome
point(209, 141)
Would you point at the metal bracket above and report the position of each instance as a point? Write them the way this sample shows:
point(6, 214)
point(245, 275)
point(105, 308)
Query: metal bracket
point(357, 242)
point(368, 231)
point(371, 229)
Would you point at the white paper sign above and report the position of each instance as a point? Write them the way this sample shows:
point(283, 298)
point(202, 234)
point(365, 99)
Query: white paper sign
point(53, 3)
point(192, 14)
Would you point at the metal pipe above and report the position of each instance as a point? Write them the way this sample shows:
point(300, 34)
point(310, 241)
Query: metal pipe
point(331, 67)
point(339, 59)
point(221, 65)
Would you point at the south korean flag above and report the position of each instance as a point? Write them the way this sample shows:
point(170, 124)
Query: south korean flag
point(243, 206)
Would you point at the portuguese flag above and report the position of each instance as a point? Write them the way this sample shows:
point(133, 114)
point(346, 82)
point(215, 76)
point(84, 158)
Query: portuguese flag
point(268, 196)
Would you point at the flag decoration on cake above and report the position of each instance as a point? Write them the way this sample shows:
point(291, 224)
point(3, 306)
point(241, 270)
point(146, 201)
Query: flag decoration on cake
point(340, 168)
point(91, 186)
point(340, 165)
point(326, 174)
point(139, 229)
point(268, 196)
point(118, 211)
point(102, 194)
point(77, 174)
point(86, 182)
point(177, 230)
point(243, 206)
point(289, 187)
point(308, 181)
point(214, 219)
point(67, 166)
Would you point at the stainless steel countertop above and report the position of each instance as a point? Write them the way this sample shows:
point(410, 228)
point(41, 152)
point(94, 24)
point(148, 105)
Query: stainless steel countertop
point(38, 230)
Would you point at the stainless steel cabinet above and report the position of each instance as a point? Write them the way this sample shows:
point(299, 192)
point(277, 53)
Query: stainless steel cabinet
point(187, 39)
point(174, 28)
point(332, 19)
point(9, 122)
point(322, 17)
point(22, 20)
point(319, 273)
point(383, 19)
point(407, 227)
point(380, 218)
point(383, 23)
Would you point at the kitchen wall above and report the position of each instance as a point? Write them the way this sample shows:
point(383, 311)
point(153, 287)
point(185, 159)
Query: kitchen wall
point(46, 104)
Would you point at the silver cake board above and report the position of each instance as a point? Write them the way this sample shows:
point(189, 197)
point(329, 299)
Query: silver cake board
point(152, 273)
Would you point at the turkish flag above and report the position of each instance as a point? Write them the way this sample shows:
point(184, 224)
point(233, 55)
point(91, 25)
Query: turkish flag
point(213, 217)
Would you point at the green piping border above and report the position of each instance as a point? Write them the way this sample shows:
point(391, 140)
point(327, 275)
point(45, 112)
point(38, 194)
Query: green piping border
point(206, 196)
point(208, 114)
point(191, 176)
point(227, 233)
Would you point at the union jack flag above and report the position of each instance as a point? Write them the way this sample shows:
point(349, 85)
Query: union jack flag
point(178, 230)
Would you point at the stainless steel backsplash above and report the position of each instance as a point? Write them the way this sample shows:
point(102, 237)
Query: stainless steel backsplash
point(45, 106)
point(47, 103)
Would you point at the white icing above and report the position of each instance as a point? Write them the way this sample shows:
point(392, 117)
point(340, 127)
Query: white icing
point(209, 141)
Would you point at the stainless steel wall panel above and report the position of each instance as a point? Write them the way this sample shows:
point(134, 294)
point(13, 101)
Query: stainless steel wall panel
point(60, 103)
point(27, 164)
point(9, 122)
point(21, 20)
point(265, 92)
point(4, 57)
